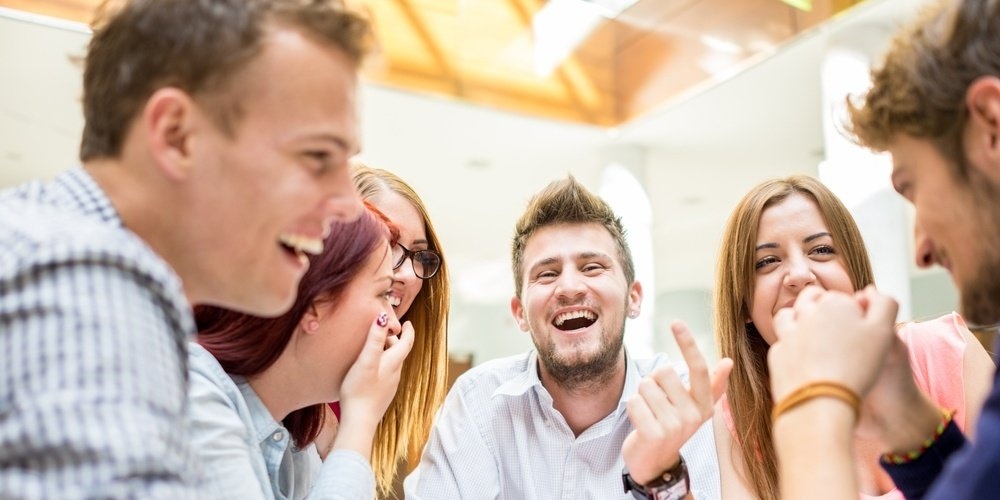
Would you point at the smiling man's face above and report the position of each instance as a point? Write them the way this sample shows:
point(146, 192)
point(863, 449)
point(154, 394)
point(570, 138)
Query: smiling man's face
point(574, 301)
point(957, 223)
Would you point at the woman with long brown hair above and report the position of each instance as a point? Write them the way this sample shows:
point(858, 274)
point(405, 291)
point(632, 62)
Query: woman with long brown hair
point(785, 235)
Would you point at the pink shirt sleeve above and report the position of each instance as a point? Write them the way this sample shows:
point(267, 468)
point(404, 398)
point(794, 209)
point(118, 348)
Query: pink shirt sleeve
point(937, 353)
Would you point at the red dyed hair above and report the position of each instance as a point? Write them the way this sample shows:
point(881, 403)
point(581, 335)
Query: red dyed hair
point(247, 345)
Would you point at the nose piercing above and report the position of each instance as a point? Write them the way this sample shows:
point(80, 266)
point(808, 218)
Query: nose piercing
point(383, 319)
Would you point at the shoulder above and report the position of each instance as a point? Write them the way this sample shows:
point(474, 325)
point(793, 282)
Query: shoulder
point(215, 404)
point(208, 380)
point(486, 377)
point(645, 366)
point(949, 328)
point(46, 244)
point(39, 231)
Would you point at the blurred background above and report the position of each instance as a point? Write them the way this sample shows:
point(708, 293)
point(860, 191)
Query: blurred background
point(670, 109)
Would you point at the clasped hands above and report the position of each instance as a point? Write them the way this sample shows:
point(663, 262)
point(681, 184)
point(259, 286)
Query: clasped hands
point(848, 340)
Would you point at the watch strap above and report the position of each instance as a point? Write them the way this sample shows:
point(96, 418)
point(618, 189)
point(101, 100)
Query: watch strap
point(673, 484)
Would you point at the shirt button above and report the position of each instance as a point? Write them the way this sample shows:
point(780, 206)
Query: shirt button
point(277, 436)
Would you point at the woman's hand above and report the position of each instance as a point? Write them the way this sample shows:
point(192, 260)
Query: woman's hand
point(370, 384)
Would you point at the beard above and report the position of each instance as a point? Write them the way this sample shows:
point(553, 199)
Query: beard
point(980, 295)
point(576, 370)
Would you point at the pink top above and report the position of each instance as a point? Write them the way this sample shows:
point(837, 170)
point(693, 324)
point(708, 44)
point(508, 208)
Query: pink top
point(937, 351)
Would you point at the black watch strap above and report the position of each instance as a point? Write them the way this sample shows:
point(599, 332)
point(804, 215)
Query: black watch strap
point(674, 484)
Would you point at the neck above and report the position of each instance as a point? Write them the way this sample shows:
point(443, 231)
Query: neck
point(279, 387)
point(872, 479)
point(137, 196)
point(583, 403)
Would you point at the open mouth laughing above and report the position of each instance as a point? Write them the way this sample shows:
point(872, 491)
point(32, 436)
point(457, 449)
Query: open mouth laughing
point(574, 320)
point(300, 245)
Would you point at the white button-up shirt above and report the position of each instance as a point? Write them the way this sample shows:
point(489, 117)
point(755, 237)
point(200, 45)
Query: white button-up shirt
point(499, 436)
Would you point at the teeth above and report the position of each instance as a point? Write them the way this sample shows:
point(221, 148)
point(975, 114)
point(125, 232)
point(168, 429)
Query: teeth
point(564, 317)
point(394, 301)
point(313, 246)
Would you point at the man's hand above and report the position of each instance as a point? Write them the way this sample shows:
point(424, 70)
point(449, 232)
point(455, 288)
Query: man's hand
point(831, 336)
point(665, 414)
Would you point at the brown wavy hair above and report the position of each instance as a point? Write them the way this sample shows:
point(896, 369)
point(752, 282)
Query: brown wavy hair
point(919, 89)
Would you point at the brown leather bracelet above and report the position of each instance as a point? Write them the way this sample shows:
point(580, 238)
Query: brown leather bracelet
point(817, 389)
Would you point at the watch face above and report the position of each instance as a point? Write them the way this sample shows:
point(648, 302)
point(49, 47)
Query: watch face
point(676, 491)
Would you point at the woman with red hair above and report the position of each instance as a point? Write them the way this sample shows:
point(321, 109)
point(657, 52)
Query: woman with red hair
point(258, 386)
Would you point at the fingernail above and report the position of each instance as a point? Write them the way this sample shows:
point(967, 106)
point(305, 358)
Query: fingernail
point(383, 319)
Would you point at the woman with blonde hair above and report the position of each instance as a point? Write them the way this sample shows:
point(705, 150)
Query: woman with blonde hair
point(785, 235)
point(419, 295)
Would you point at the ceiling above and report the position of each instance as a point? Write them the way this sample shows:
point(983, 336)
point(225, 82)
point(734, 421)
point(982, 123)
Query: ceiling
point(600, 62)
point(699, 148)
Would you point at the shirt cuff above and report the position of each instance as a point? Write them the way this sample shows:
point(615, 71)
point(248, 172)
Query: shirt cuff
point(916, 477)
point(345, 474)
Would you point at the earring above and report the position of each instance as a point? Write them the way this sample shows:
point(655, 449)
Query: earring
point(633, 314)
point(312, 325)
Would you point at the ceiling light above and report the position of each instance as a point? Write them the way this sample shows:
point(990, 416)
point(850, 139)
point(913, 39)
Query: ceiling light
point(562, 25)
point(805, 5)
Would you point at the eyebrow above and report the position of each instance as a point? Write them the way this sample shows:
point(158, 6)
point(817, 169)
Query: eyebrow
point(807, 239)
point(350, 149)
point(580, 256)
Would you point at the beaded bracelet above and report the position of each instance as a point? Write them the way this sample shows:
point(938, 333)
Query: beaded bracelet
point(819, 388)
point(897, 459)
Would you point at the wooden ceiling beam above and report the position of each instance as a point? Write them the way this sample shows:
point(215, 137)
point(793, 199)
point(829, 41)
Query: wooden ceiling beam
point(524, 14)
point(73, 10)
point(428, 40)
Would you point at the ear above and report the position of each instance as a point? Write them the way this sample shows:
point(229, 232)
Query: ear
point(309, 322)
point(634, 302)
point(982, 130)
point(517, 309)
point(168, 118)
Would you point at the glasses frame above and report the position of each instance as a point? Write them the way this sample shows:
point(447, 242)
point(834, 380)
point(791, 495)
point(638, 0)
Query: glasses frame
point(409, 254)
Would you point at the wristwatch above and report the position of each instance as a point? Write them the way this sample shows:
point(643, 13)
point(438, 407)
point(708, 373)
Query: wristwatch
point(674, 484)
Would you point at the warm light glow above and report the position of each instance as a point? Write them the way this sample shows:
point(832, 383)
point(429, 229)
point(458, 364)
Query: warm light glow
point(805, 5)
point(559, 27)
point(720, 45)
point(562, 25)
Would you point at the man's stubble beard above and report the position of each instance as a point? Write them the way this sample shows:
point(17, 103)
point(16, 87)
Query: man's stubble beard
point(980, 296)
point(579, 374)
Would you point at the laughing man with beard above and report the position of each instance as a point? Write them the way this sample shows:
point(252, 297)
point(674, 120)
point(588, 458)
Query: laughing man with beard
point(563, 420)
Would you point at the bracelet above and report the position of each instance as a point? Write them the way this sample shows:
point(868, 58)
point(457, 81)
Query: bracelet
point(897, 459)
point(819, 388)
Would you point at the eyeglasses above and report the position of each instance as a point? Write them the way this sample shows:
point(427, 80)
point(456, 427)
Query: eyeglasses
point(425, 262)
